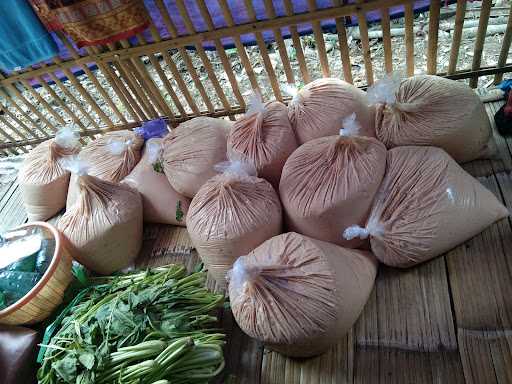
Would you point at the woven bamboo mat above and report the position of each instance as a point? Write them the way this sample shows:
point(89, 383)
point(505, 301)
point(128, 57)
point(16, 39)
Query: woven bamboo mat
point(445, 321)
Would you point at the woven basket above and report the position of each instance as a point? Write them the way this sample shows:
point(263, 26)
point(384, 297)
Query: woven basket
point(47, 294)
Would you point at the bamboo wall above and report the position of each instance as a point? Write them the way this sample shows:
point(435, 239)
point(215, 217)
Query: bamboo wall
point(142, 81)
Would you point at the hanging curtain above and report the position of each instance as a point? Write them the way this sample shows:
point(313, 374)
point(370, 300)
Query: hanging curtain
point(93, 22)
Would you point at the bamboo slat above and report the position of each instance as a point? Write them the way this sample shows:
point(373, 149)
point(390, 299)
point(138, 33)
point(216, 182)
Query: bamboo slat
point(61, 103)
point(92, 77)
point(202, 54)
point(161, 74)
point(43, 102)
point(222, 53)
point(505, 48)
point(457, 35)
point(281, 46)
point(183, 53)
point(117, 85)
point(433, 33)
point(181, 83)
point(32, 109)
point(297, 44)
point(409, 38)
point(274, 83)
point(148, 90)
point(239, 47)
point(386, 38)
point(365, 43)
point(83, 92)
point(124, 69)
point(157, 93)
point(320, 43)
point(21, 124)
point(480, 39)
point(344, 48)
point(73, 99)
point(9, 137)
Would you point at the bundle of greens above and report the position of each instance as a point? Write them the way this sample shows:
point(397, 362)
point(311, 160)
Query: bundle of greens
point(150, 327)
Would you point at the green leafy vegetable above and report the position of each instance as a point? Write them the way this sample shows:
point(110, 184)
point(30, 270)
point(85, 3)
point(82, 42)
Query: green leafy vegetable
point(179, 212)
point(158, 167)
point(148, 327)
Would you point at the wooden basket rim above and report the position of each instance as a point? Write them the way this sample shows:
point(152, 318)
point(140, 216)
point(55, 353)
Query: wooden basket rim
point(57, 256)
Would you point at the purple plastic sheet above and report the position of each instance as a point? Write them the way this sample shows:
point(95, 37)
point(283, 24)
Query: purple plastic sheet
point(240, 16)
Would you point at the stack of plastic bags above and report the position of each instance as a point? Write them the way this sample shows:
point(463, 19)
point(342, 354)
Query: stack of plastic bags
point(372, 181)
point(293, 206)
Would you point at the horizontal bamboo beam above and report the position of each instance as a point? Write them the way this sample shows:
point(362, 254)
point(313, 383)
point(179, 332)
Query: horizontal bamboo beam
point(198, 38)
point(459, 75)
point(92, 132)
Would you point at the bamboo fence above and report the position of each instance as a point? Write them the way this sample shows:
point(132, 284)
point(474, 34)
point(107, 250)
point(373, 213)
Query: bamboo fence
point(134, 86)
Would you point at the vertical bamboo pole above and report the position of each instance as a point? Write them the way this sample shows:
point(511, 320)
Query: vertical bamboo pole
point(344, 48)
point(320, 43)
point(480, 39)
point(386, 39)
point(505, 47)
point(365, 43)
point(202, 54)
point(433, 33)
point(274, 83)
point(162, 75)
point(184, 55)
point(409, 38)
point(281, 46)
point(457, 35)
point(240, 47)
point(222, 53)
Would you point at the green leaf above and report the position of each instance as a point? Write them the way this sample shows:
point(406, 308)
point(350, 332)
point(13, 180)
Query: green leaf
point(87, 359)
point(66, 368)
point(80, 274)
point(158, 167)
point(199, 267)
point(179, 212)
point(86, 377)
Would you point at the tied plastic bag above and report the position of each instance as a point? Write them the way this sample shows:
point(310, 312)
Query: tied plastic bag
point(329, 183)
point(42, 179)
point(230, 215)
point(191, 151)
point(427, 204)
point(156, 128)
point(298, 295)
point(319, 108)
point(161, 203)
point(110, 157)
point(263, 136)
point(432, 111)
point(105, 224)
